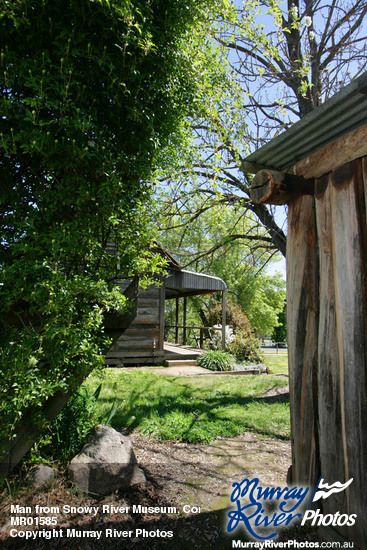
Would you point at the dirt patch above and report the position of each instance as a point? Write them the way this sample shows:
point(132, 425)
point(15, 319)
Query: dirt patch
point(202, 474)
point(178, 475)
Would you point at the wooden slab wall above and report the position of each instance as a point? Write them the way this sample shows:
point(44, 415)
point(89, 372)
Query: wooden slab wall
point(327, 323)
point(136, 344)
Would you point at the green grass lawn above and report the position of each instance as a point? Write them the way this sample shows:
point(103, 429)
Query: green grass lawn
point(193, 409)
point(278, 364)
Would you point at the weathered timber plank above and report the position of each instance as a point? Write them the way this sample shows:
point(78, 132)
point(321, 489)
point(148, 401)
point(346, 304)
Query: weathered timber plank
point(350, 245)
point(336, 153)
point(162, 306)
point(134, 353)
point(329, 403)
point(152, 292)
point(151, 310)
point(133, 345)
point(143, 360)
point(145, 320)
point(145, 323)
point(302, 315)
point(138, 333)
point(147, 302)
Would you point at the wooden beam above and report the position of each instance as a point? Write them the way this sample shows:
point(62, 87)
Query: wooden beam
point(271, 187)
point(184, 320)
point(336, 153)
point(177, 314)
point(224, 320)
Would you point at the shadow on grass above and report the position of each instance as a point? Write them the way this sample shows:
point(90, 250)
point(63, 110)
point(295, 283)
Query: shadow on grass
point(205, 406)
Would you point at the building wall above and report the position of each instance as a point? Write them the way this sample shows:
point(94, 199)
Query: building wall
point(327, 336)
point(135, 346)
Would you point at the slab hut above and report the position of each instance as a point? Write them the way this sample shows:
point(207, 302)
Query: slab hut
point(143, 341)
point(319, 167)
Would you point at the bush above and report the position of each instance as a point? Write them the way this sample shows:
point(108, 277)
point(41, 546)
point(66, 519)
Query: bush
point(70, 430)
point(73, 427)
point(242, 344)
point(216, 360)
point(246, 347)
point(88, 101)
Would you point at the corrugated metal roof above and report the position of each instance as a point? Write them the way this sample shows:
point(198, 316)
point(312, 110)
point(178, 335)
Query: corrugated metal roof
point(188, 283)
point(344, 112)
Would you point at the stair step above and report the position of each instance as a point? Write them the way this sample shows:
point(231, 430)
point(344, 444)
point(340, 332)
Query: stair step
point(183, 357)
point(181, 363)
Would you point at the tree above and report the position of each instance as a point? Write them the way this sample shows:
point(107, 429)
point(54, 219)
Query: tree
point(203, 244)
point(282, 62)
point(89, 93)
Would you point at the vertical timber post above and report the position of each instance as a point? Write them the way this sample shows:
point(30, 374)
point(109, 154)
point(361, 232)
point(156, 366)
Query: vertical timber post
point(223, 320)
point(184, 320)
point(176, 324)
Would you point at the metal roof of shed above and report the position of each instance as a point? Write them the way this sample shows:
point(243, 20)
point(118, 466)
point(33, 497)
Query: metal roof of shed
point(340, 114)
point(188, 283)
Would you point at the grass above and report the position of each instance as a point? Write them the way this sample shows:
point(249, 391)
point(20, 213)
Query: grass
point(194, 409)
point(278, 364)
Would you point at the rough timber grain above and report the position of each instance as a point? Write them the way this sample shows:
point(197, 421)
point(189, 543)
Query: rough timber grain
point(272, 187)
point(302, 313)
point(336, 153)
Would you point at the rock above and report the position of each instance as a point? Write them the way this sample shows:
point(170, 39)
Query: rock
point(138, 477)
point(41, 474)
point(106, 463)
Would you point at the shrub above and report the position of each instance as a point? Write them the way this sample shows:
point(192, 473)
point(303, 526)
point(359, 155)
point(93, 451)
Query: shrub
point(242, 344)
point(246, 347)
point(73, 427)
point(216, 360)
point(70, 430)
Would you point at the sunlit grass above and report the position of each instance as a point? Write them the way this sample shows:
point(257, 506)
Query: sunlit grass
point(198, 408)
point(278, 364)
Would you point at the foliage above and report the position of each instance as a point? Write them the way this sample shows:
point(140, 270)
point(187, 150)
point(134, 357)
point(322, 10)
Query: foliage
point(215, 360)
point(201, 244)
point(89, 93)
point(244, 345)
point(197, 408)
point(280, 331)
point(235, 316)
point(73, 427)
point(246, 348)
point(70, 430)
point(283, 60)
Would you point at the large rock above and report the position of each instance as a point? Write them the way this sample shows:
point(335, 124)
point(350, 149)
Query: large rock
point(106, 463)
point(40, 475)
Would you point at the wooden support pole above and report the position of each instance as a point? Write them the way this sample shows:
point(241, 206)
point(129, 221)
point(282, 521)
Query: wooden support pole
point(184, 320)
point(271, 187)
point(223, 320)
point(176, 324)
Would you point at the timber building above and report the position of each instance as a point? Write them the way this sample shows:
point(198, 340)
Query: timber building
point(143, 341)
point(319, 168)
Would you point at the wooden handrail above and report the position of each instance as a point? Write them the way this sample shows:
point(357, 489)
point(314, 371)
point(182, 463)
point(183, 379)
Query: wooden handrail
point(195, 327)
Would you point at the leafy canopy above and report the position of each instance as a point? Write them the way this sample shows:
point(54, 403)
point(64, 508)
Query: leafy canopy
point(90, 90)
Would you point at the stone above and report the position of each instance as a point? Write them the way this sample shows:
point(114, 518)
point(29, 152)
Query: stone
point(41, 474)
point(105, 464)
point(138, 477)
